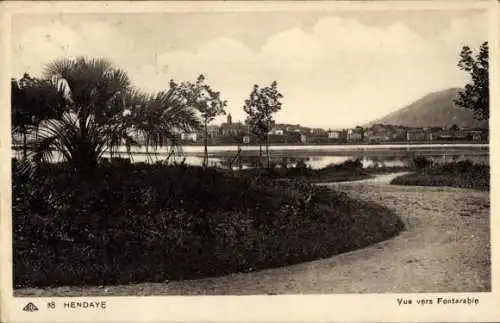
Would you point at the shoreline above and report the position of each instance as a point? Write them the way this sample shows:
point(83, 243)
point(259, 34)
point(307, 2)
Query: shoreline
point(311, 150)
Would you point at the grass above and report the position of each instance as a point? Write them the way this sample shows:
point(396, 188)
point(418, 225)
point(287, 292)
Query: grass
point(463, 174)
point(137, 223)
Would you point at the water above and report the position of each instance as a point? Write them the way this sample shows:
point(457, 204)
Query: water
point(194, 150)
point(314, 156)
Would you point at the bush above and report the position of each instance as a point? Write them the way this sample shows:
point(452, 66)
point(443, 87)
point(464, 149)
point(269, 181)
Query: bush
point(462, 167)
point(462, 174)
point(300, 169)
point(421, 162)
point(133, 223)
point(348, 165)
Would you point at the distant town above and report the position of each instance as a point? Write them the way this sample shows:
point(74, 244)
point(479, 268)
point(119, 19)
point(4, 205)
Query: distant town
point(231, 132)
point(236, 133)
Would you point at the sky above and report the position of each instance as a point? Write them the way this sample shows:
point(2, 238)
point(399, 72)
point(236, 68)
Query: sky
point(335, 69)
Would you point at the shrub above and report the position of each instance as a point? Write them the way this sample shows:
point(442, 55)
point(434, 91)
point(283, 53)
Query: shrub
point(348, 165)
point(300, 169)
point(355, 164)
point(137, 223)
point(462, 174)
point(421, 162)
point(462, 167)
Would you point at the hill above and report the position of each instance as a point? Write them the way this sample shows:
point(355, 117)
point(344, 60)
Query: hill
point(435, 109)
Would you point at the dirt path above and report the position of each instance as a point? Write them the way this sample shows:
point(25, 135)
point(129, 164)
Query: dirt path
point(445, 248)
point(378, 179)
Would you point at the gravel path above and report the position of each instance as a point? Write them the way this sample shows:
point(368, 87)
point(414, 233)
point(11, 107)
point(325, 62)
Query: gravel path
point(446, 248)
point(378, 179)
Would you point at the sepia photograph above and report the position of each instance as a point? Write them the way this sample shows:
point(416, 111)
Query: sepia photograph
point(222, 152)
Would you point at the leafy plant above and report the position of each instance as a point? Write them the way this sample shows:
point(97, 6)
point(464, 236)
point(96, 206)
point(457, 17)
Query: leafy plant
point(152, 223)
point(101, 112)
point(475, 96)
point(260, 107)
point(33, 101)
point(204, 99)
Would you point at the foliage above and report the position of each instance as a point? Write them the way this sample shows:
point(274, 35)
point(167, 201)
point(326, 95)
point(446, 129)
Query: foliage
point(159, 118)
point(103, 111)
point(462, 174)
point(204, 99)
point(260, 107)
point(138, 223)
point(33, 101)
point(475, 96)
point(350, 170)
point(421, 162)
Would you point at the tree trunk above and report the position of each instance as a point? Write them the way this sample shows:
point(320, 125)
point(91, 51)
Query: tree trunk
point(25, 146)
point(110, 153)
point(260, 153)
point(267, 144)
point(205, 156)
point(267, 151)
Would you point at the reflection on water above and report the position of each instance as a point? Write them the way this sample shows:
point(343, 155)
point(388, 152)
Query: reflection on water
point(291, 158)
point(318, 162)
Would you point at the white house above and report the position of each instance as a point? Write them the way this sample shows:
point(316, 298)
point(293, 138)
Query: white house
point(276, 131)
point(333, 134)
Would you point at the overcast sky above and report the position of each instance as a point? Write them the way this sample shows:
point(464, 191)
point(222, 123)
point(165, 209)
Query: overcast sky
point(335, 69)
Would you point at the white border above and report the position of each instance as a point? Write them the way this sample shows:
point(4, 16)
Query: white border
point(294, 308)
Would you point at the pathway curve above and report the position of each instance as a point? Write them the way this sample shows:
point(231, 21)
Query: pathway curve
point(445, 248)
point(377, 179)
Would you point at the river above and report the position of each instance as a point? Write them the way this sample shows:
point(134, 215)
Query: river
point(315, 156)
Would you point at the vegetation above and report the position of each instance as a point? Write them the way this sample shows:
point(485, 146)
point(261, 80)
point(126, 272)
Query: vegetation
point(260, 107)
point(207, 102)
point(476, 95)
point(139, 223)
point(349, 170)
point(462, 174)
point(100, 112)
point(87, 221)
point(33, 101)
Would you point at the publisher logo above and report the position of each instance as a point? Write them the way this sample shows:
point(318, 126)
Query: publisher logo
point(30, 307)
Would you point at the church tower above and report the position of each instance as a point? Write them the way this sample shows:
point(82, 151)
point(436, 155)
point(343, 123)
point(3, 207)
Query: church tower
point(229, 119)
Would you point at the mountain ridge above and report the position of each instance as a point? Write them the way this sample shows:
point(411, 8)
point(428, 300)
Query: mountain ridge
point(435, 109)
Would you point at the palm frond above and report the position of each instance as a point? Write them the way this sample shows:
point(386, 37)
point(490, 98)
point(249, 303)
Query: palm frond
point(90, 83)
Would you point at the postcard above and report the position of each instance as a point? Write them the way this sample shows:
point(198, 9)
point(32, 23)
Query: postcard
point(241, 161)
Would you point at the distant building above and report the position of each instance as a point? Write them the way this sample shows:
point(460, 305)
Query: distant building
point(415, 135)
point(232, 129)
point(333, 134)
point(460, 134)
point(213, 131)
point(317, 131)
point(373, 136)
point(476, 135)
point(277, 132)
point(444, 134)
point(303, 139)
point(292, 128)
point(189, 136)
point(355, 134)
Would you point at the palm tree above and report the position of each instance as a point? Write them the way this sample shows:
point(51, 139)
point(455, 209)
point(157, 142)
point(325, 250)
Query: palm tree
point(102, 112)
point(160, 118)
